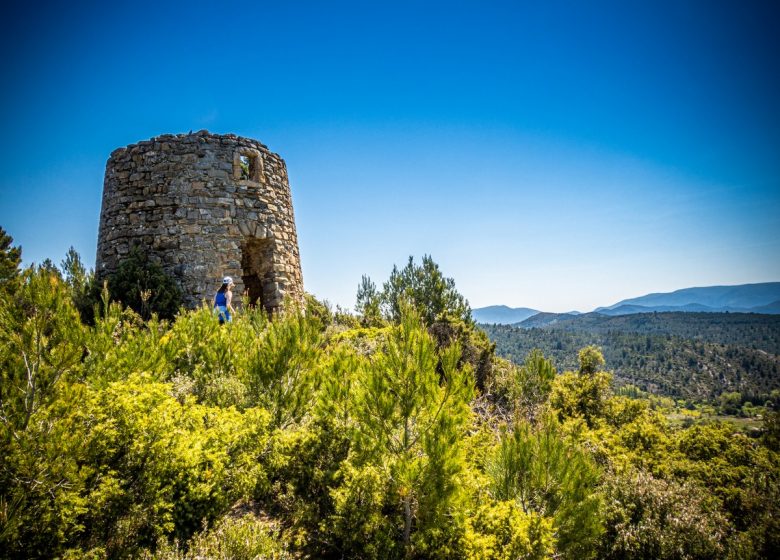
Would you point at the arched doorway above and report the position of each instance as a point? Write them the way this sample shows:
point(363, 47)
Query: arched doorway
point(256, 269)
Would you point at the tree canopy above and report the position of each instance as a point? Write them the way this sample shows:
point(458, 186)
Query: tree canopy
point(310, 435)
point(423, 286)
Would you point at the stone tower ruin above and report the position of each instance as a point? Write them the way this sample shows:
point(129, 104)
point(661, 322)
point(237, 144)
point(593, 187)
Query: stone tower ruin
point(204, 206)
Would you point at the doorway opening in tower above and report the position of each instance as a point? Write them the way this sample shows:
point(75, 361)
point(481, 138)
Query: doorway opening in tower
point(256, 271)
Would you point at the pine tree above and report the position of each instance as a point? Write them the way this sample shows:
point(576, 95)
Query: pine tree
point(368, 304)
point(532, 383)
point(410, 422)
point(10, 259)
point(433, 294)
point(39, 341)
point(282, 369)
point(544, 474)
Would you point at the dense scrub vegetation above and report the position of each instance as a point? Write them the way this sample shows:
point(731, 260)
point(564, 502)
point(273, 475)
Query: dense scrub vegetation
point(316, 435)
point(665, 364)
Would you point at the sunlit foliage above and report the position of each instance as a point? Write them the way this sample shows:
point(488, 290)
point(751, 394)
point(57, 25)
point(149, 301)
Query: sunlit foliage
point(319, 435)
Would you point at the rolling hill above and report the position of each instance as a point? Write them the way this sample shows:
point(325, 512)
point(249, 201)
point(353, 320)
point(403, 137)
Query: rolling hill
point(695, 356)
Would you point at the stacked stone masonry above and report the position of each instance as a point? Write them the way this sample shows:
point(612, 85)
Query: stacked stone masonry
point(204, 206)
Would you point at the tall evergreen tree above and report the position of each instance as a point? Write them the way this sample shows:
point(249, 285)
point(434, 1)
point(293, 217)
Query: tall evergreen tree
point(411, 419)
point(368, 304)
point(433, 294)
point(282, 368)
point(39, 341)
point(10, 259)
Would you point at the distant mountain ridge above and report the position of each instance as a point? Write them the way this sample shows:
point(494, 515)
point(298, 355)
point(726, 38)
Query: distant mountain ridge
point(744, 298)
point(502, 315)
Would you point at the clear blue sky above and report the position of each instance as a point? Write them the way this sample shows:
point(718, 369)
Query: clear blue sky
point(555, 155)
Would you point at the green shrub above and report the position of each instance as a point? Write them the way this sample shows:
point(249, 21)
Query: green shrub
point(503, 531)
point(542, 473)
point(583, 394)
point(232, 538)
point(159, 467)
point(652, 519)
point(141, 284)
point(363, 520)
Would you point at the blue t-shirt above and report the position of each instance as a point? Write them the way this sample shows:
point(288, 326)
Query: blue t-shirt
point(220, 304)
point(221, 299)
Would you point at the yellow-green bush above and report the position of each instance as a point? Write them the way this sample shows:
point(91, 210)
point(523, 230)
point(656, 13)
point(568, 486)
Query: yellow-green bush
point(135, 437)
point(503, 531)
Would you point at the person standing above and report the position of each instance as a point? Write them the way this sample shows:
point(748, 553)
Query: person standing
point(223, 300)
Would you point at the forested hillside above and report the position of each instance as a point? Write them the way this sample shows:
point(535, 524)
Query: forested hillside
point(750, 330)
point(391, 434)
point(663, 364)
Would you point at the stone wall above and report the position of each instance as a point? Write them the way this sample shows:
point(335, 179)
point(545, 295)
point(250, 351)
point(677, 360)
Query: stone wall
point(204, 206)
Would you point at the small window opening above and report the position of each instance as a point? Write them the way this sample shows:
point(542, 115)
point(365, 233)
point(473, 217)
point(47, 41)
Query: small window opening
point(246, 163)
point(247, 166)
